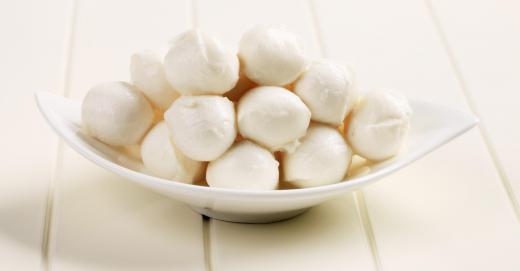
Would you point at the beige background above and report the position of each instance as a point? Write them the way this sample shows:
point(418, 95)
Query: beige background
point(456, 209)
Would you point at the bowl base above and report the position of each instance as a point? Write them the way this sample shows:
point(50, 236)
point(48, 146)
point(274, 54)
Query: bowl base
point(253, 218)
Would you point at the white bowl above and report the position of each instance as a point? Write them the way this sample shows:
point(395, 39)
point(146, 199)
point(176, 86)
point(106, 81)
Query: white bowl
point(431, 126)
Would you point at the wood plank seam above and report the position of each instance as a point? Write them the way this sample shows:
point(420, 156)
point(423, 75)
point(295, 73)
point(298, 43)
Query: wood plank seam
point(193, 17)
point(361, 208)
point(364, 216)
point(506, 182)
point(206, 221)
point(47, 226)
point(318, 35)
point(58, 161)
point(206, 236)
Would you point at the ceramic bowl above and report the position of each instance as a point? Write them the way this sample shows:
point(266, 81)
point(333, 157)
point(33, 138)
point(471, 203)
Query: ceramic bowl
point(431, 126)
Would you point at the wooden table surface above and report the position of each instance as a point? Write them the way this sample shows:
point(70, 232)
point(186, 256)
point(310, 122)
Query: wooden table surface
point(456, 209)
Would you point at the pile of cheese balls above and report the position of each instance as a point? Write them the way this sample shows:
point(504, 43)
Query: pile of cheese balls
point(245, 121)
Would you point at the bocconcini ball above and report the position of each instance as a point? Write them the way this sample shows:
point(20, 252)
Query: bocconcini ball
point(162, 159)
point(328, 90)
point(274, 117)
point(202, 127)
point(323, 157)
point(379, 125)
point(244, 166)
point(147, 73)
point(271, 55)
point(116, 113)
point(197, 64)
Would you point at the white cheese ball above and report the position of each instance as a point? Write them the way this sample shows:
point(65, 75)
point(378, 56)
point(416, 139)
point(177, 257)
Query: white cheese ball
point(197, 64)
point(202, 127)
point(162, 159)
point(328, 90)
point(116, 113)
point(379, 125)
point(323, 157)
point(272, 56)
point(273, 117)
point(244, 166)
point(147, 73)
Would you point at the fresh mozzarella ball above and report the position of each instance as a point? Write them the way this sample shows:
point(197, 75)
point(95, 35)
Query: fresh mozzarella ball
point(197, 64)
point(379, 125)
point(116, 113)
point(147, 73)
point(244, 166)
point(323, 157)
point(202, 127)
point(272, 56)
point(328, 90)
point(163, 160)
point(273, 117)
